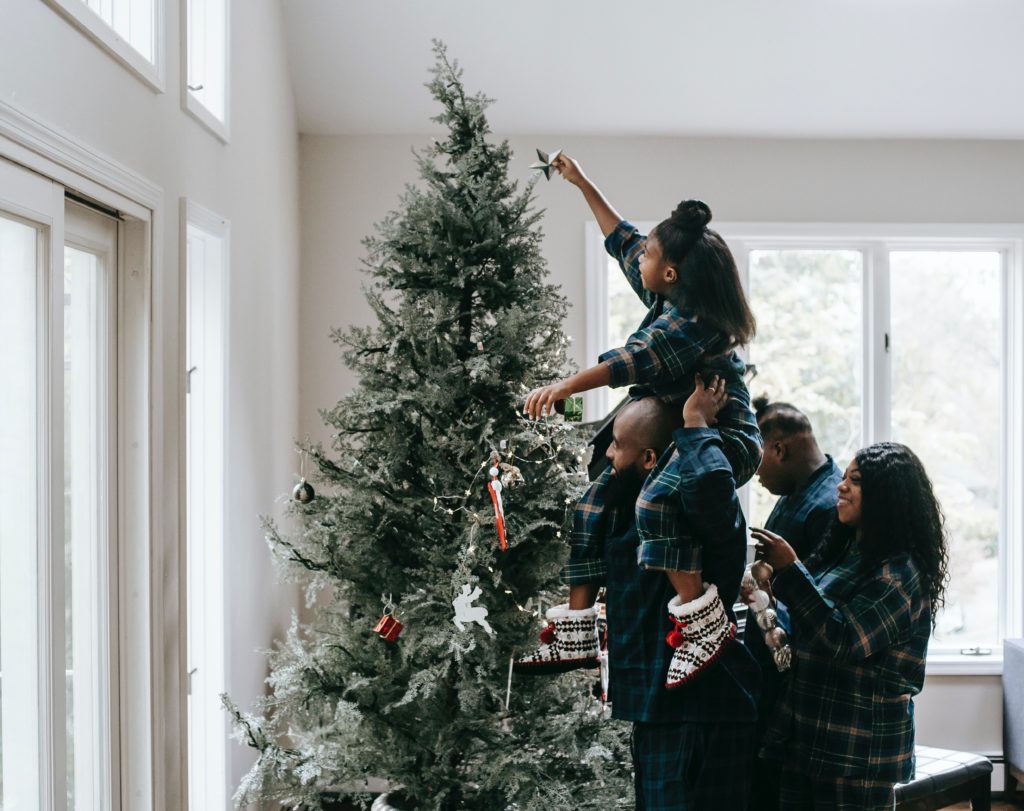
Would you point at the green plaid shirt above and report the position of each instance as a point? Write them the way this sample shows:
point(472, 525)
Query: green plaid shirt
point(859, 640)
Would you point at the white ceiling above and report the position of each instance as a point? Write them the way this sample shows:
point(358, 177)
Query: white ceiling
point(787, 68)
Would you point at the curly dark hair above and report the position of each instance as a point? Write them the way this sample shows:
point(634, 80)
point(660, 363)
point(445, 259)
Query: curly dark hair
point(709, 282)
point(899, 515)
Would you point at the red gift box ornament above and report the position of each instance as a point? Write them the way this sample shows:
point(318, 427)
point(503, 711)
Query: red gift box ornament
point(388, 626)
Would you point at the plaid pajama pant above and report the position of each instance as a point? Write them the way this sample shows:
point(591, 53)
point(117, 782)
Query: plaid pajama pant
point(692, 766)
point(800, 792)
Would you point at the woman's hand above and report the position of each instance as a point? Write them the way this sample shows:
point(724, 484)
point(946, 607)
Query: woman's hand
point(701, 408)
point(541, 402)
point(773, 549)
point(569, 169)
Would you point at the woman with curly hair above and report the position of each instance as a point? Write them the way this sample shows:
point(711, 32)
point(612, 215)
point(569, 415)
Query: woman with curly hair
point(862, 610)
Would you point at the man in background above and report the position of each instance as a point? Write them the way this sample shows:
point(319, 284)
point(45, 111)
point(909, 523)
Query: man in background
point(794, 468)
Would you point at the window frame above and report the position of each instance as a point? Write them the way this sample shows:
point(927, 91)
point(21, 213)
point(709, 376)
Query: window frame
point(189, 102)
point(193, 215)
point(151, 73)
point(144, 730)
point(875, 241)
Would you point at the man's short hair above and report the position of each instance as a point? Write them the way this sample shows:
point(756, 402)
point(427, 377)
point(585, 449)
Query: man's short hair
point(780, 419)
point(653, 421)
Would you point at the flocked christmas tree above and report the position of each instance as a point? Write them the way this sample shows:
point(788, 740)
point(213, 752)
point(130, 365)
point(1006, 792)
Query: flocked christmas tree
point(466, 326)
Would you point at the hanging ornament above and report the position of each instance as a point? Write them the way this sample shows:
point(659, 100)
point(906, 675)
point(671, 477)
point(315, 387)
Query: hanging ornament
point(571, 408)
point(466, 612)
point(494, 487)
point(388, 626)
point(756, 592)
point(303, 491)
point(602, 630)
point(510, 475)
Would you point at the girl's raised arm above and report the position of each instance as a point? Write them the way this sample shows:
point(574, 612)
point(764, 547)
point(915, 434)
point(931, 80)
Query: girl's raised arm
point(607, 217)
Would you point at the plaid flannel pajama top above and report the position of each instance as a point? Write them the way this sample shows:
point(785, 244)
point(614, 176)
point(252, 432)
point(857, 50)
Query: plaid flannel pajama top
point(660, 359)
point(859, 638)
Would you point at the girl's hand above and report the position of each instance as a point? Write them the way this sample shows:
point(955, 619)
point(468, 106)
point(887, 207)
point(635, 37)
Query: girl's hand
point(773, 549)
point(541, 402)
point(701, 407)
point(569, 169)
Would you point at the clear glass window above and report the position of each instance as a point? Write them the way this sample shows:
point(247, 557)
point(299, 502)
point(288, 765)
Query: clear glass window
point(947, 405)
point(809, 345)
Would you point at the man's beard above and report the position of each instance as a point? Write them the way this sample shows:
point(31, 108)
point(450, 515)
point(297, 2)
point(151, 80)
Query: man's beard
point(624, 489)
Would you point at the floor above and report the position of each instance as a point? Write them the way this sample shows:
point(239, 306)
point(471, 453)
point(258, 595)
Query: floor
point(997, 805)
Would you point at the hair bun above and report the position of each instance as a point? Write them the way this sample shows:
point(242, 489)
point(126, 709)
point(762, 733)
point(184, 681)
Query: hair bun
point(692, 215)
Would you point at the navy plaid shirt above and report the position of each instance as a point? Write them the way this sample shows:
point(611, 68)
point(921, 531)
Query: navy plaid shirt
point(637, 603)
point(860, 636)
point(803, 517)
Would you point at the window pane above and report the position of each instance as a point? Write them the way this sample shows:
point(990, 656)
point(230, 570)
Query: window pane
point(85, 531)
point(205, 437)
point(625, 312)
point(132, 19)
point(947, 406)
point(808, 349)
point(19, 519)
point(207, 54)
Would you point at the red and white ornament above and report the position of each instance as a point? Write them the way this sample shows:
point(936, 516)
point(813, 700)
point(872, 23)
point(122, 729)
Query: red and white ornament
point(388, 626)
point(494, 487)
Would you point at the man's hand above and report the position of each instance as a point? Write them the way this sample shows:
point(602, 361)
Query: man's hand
point(541, 402)
point(569, 169)
point(701, 408)
point(773, 549)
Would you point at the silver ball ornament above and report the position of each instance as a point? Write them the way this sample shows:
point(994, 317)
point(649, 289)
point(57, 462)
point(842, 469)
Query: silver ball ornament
point(776, 639)
point(766, 619)
point(303, 492)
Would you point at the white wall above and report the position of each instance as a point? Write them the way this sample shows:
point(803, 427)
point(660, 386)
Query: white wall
point(54, 73)
point(350, 182)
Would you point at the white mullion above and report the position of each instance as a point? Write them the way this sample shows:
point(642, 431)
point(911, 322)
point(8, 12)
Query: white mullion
point(1011, 535)
point(113, 718)
point(52, 546)
point(741, 255)
point(877, 372)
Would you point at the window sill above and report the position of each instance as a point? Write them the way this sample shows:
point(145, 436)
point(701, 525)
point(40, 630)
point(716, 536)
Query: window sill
point(96, 28)
point(200, 113)
point(956, 664)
